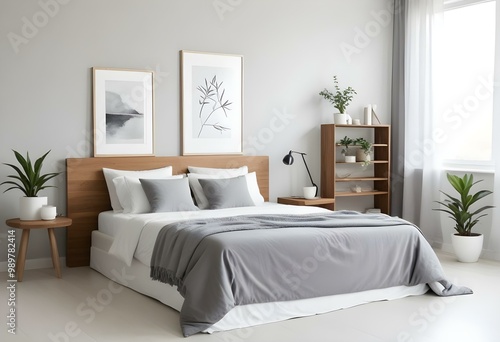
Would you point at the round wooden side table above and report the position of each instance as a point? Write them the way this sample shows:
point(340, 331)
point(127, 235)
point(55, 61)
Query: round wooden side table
point(26, 226)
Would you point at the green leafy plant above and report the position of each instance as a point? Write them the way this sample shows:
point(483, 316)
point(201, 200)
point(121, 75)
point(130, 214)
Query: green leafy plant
point(459, 208)
point(346, 142)
point(28, 178)
point(364, 144)
point(340, 99)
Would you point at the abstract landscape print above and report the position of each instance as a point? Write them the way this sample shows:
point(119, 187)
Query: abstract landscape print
point(123, 112)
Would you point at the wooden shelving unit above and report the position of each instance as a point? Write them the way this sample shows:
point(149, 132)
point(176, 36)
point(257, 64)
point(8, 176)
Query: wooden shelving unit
point(381, 164)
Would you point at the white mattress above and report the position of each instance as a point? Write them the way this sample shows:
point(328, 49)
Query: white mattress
point(125, 242)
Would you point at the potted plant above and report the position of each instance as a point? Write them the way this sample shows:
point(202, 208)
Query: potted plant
point(30, 181)
point(466, 244)
point(340, 100)
point(363, 153)
point(346, 142)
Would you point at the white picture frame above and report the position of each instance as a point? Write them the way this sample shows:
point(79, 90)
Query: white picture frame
point(123, 112)
point(211, 103)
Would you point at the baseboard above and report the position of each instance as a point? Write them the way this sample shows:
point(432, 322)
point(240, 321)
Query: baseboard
point(448, 248)
point(32, 264)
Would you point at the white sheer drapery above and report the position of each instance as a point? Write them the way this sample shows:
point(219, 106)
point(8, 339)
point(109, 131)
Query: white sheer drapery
point(421, 162)
point(492, 245)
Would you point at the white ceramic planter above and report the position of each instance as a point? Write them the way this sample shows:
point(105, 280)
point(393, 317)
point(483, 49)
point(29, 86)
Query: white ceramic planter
point(350, 159)
point(30, 207)
point(361, 156)
point(467, 248)
point(340, 119)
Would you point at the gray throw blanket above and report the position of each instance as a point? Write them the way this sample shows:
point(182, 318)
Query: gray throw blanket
point(220, 263)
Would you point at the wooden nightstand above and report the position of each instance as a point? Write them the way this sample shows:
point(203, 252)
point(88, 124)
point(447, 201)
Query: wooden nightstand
point(327, 203)
point(26, 226)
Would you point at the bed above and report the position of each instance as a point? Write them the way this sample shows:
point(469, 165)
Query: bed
point(124, 248)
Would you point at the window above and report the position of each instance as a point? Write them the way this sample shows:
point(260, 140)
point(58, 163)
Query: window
point(465, 82)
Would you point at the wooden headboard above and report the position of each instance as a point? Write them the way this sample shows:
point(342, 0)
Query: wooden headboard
point(87, 193)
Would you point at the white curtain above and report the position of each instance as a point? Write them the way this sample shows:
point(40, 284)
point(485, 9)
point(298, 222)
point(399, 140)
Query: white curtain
point(493, 244)
point(421, 159)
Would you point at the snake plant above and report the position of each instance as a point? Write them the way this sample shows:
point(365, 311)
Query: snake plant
point(28, 178)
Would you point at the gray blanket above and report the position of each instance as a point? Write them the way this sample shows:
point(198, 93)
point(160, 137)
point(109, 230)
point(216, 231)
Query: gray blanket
point(220, 263)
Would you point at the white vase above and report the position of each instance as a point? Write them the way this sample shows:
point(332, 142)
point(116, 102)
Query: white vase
point(30, 207)
point(467, 248)
point(340, 119)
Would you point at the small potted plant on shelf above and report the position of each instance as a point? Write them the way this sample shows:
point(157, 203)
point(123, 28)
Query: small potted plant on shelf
point(346, 142)
point(466, 244)
point(29, 180)
point(363, 153)
point(340, 100)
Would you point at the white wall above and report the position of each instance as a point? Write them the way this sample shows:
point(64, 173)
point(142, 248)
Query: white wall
point(291, 51)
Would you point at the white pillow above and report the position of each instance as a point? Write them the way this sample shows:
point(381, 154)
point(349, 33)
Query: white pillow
point(226, 173)
point(201, 199)
point(131, 195)
point(110, 174)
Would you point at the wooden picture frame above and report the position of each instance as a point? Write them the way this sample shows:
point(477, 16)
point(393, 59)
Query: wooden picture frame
point(123, 112)
point(211, 103)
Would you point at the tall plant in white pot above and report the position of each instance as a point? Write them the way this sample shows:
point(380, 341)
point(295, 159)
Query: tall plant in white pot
point(340, 100)
point(30, 181)
point(466, 244)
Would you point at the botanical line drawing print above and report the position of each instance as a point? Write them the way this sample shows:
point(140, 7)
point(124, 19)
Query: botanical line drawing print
point(212, 105)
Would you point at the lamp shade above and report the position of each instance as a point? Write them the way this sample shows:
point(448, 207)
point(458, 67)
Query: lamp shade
point(288, 159)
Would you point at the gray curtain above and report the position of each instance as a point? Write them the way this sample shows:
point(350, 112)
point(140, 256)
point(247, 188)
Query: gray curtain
point(398, 107)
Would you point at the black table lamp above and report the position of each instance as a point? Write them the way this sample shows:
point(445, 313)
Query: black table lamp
point(288, 160)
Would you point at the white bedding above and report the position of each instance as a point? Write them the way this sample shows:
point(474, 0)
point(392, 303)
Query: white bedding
point(135, 234)
point(132, 238)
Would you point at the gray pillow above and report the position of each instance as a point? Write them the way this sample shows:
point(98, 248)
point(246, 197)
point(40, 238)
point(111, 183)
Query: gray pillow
point(166, 195)
point(227, 192)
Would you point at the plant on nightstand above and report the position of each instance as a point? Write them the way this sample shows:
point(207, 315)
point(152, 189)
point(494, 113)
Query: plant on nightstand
point(29, 180)
point(340, 100)
point(346, 142)
point(467, 245)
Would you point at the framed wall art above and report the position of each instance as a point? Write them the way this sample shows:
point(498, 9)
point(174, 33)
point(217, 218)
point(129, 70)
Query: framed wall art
point(211, 103)
point(123, 112)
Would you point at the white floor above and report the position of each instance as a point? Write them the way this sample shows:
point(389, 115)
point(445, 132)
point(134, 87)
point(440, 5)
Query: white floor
point(85, 306)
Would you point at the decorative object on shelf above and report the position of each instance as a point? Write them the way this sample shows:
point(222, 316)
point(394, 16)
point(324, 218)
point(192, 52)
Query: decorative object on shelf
point(374, 113)
point(29, 180)
point(123, 112)
point(346, 142)
point(368, 115)
point(340, 100)
point(467, 245)
point(48, 212)
point(356, 188)
point(363, 153)
point(288, 160)
point(211, 103)
point(356, 122)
